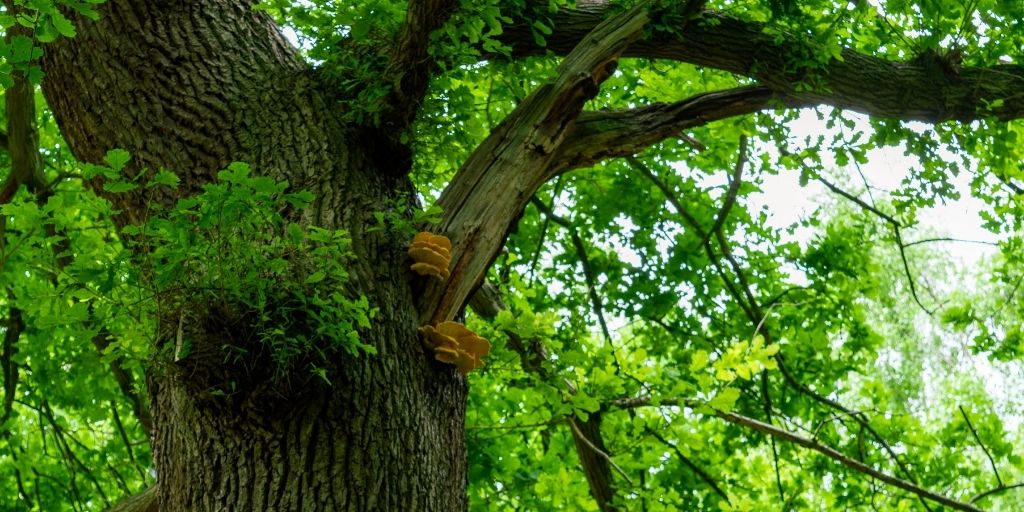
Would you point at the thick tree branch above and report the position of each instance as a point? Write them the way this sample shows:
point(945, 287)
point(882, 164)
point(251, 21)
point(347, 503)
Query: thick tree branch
point(909, 90)
point(410, 66)
point(615, 133)
point(491, 189)
point(808, 443)
point(145, 501)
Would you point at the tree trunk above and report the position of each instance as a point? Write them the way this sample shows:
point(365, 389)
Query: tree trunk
point(190, 87)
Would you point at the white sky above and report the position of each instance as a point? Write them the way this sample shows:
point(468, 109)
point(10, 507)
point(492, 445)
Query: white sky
point(788, 203)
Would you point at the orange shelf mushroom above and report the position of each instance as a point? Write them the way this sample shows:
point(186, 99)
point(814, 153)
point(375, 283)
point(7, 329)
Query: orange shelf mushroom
point(453, 343)
point(431, 254)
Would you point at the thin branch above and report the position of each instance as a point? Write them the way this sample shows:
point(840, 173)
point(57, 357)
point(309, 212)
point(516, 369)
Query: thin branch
point(896, 226)
point(124, 439)
point(599, 452)
point(703, 475)
point(947, 239)
point(757, 319)
point(543, 232)
point(999, 481)
point(785, 435)
point(692, 222)
point(996, 490)
point(844, 460)
point(125, 382)
point(588, 271)
point(734, 187)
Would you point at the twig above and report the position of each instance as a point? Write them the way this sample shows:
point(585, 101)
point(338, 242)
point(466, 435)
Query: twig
point(811, 444)
point(732, 192)
point(974, 432)
point(996, 490)
point(896, 225)
point(947, 239)
point(703, 475)
point(598, 451)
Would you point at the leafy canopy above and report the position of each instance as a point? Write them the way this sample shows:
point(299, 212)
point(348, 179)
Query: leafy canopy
point(669, 278)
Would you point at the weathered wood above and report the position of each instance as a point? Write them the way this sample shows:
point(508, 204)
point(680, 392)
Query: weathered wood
point(490, 190)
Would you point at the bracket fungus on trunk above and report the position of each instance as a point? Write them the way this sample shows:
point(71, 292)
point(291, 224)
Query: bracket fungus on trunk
point(431, 254)
point(453, 343)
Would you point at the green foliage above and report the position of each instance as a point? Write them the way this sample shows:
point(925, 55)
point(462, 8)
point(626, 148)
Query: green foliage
point(232, 250)
point(835, 319)
point(45, 23)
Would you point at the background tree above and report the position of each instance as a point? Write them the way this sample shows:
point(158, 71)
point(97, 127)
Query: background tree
point(246, 334)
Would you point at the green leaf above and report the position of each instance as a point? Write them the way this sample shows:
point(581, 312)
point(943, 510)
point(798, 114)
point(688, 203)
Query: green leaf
point(118, 187)
point(316, 277)
point(164, 177)
point(117, 158)
point(21, 49)
point(62, 24)
point(725, 399)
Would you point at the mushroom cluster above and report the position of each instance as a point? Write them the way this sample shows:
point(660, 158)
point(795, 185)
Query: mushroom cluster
point(453, 343)
point(431, 254)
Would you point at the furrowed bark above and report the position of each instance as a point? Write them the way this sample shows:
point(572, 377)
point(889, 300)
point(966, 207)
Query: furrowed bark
point(915, 90)
point(190, 87)
point(490, 190)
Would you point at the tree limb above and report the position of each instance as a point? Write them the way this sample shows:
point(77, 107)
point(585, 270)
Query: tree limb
point(410, 66)
point(615, 133)
point(907, 90)
point(490, 190)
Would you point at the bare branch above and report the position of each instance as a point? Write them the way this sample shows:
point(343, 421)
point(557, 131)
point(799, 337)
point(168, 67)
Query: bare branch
point(948, 239)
